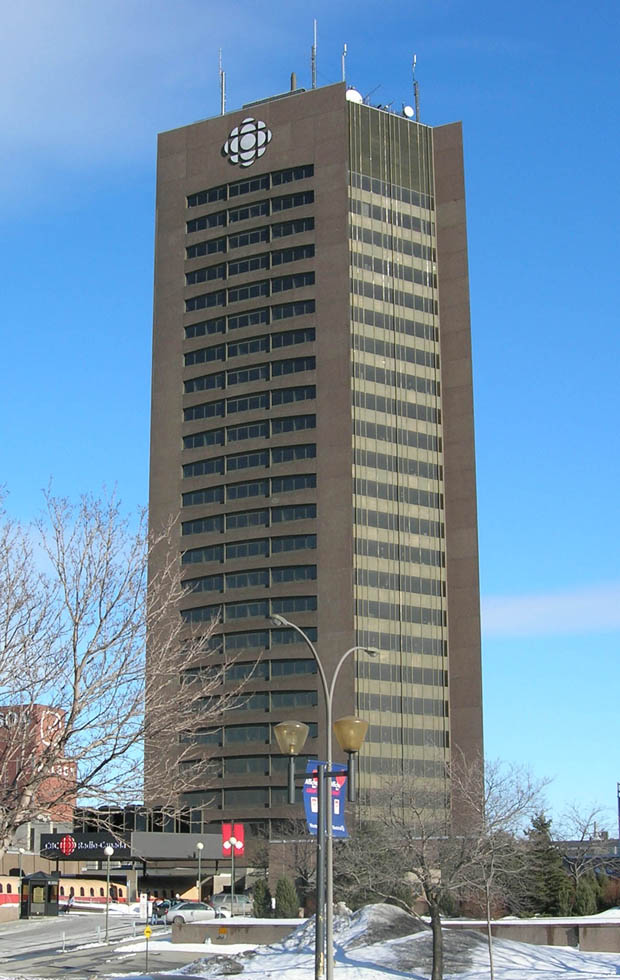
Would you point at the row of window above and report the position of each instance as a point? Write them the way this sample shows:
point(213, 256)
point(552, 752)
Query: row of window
point(426, 768)
point(249, 488)
point(391, 216)
point(395, 191)
point(263, 701)
point(264, 639)
point(397, 464)
point(253, 670)
point(249, 430)
point(222, 324)
point(253, 345)
point(399, 611)
point(242, 461)
point(250, 185)
point(397, 522)
point(397, 735)
point(267, 796)
point(266, 517)
point(398, 351)
point(392, 406)
point(251, 263)
point(259, 209)
point(371, 548)
point(240, 765)
point(254, 236)
point(400, 642)
point(255, 548)
point(391, 491)
point(251, 579)
point(397, 674)
point(397, 582)
point(392, 243)
point(387, 294)
point(393, 269)
point(234, 734)
point(395, 324)
point(249, 403)
point(400, 437)
point(250, 290)
point(252, 609)
point(398, 704)
point(256, 372)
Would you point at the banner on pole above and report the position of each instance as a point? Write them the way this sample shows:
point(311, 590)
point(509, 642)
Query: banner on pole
point(338, 784)
point(233, 839)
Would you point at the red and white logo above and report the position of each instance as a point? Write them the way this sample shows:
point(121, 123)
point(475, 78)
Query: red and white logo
point(67, 845)
point(233, 839)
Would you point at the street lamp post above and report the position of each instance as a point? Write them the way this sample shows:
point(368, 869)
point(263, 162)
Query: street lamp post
point(21, 852)
point(328, 692)
point(199, 848)
point(108, 851)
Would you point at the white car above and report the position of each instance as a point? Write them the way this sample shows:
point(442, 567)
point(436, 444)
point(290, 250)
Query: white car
point(190, 912)
point(243, 904)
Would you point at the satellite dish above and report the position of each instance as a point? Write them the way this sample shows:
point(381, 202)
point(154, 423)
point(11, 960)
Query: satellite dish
point(354, 96)
point(408, 111)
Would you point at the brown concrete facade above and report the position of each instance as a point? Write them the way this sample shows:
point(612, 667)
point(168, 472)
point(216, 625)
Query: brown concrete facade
point(260, 347)
point(459, 452)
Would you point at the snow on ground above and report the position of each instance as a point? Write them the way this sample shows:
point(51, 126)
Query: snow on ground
point(380, 941)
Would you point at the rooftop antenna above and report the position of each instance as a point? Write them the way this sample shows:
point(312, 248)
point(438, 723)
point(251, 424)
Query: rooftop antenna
point(416, 91)
point(344, 54)
point(222, 87)
point(313, 59)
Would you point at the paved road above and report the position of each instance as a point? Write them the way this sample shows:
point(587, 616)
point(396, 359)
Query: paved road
point(54, 947)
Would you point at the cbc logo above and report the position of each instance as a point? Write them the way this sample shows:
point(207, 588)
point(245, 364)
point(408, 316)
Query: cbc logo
point(247, 142)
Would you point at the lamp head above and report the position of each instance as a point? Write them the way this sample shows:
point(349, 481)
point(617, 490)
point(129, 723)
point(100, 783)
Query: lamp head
point(199, 846)
point(372, 652)
point(350, 732)
point(278, 620)
point(291, 736)
point(108, 850)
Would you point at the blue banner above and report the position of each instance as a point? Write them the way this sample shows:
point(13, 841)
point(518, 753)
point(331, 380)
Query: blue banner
point(338, 781)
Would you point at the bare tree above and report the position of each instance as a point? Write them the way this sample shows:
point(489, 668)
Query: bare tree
point(76, 705)
point(499, 866)
point(413, 852)
point(436, 841)
point(579, 838)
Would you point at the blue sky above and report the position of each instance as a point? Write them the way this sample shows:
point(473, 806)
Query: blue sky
point(85, 88)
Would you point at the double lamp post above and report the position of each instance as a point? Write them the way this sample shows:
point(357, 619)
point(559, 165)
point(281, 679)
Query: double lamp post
point(291, 736)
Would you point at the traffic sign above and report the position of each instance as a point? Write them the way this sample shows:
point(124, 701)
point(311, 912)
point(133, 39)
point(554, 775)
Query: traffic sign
point(148, 932)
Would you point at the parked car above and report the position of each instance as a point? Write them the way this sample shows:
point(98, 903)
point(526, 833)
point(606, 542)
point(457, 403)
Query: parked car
point(190, 912)
point(243, 904)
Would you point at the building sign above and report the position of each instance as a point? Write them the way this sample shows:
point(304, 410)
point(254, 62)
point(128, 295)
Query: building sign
point(338, 783)
point(247, 142)
point(78, 847)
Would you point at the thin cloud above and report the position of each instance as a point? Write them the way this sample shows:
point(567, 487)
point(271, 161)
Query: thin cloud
point(592, 609)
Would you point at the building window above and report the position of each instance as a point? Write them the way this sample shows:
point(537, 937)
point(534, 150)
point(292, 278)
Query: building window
point(296, 227)
point(284, 396)
point(293, 542)
point(249, 291)
point(206, 197)
point(248, 186)
point(289, 337)
point(245, 238)
point(256, 210)
point(248, 319)
point(250, 264)
point(294, 512)
point(214, 552)
point(203, 525)
point(210, 247)
point(293, 573)
point(296, 603)
point(299, 308)
point(298, 281)
point(287, 201)
point(294, 254)
point(295, 423)
point(216, 220)
point(286, 454)
point(205, 275)
point(205, 328)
